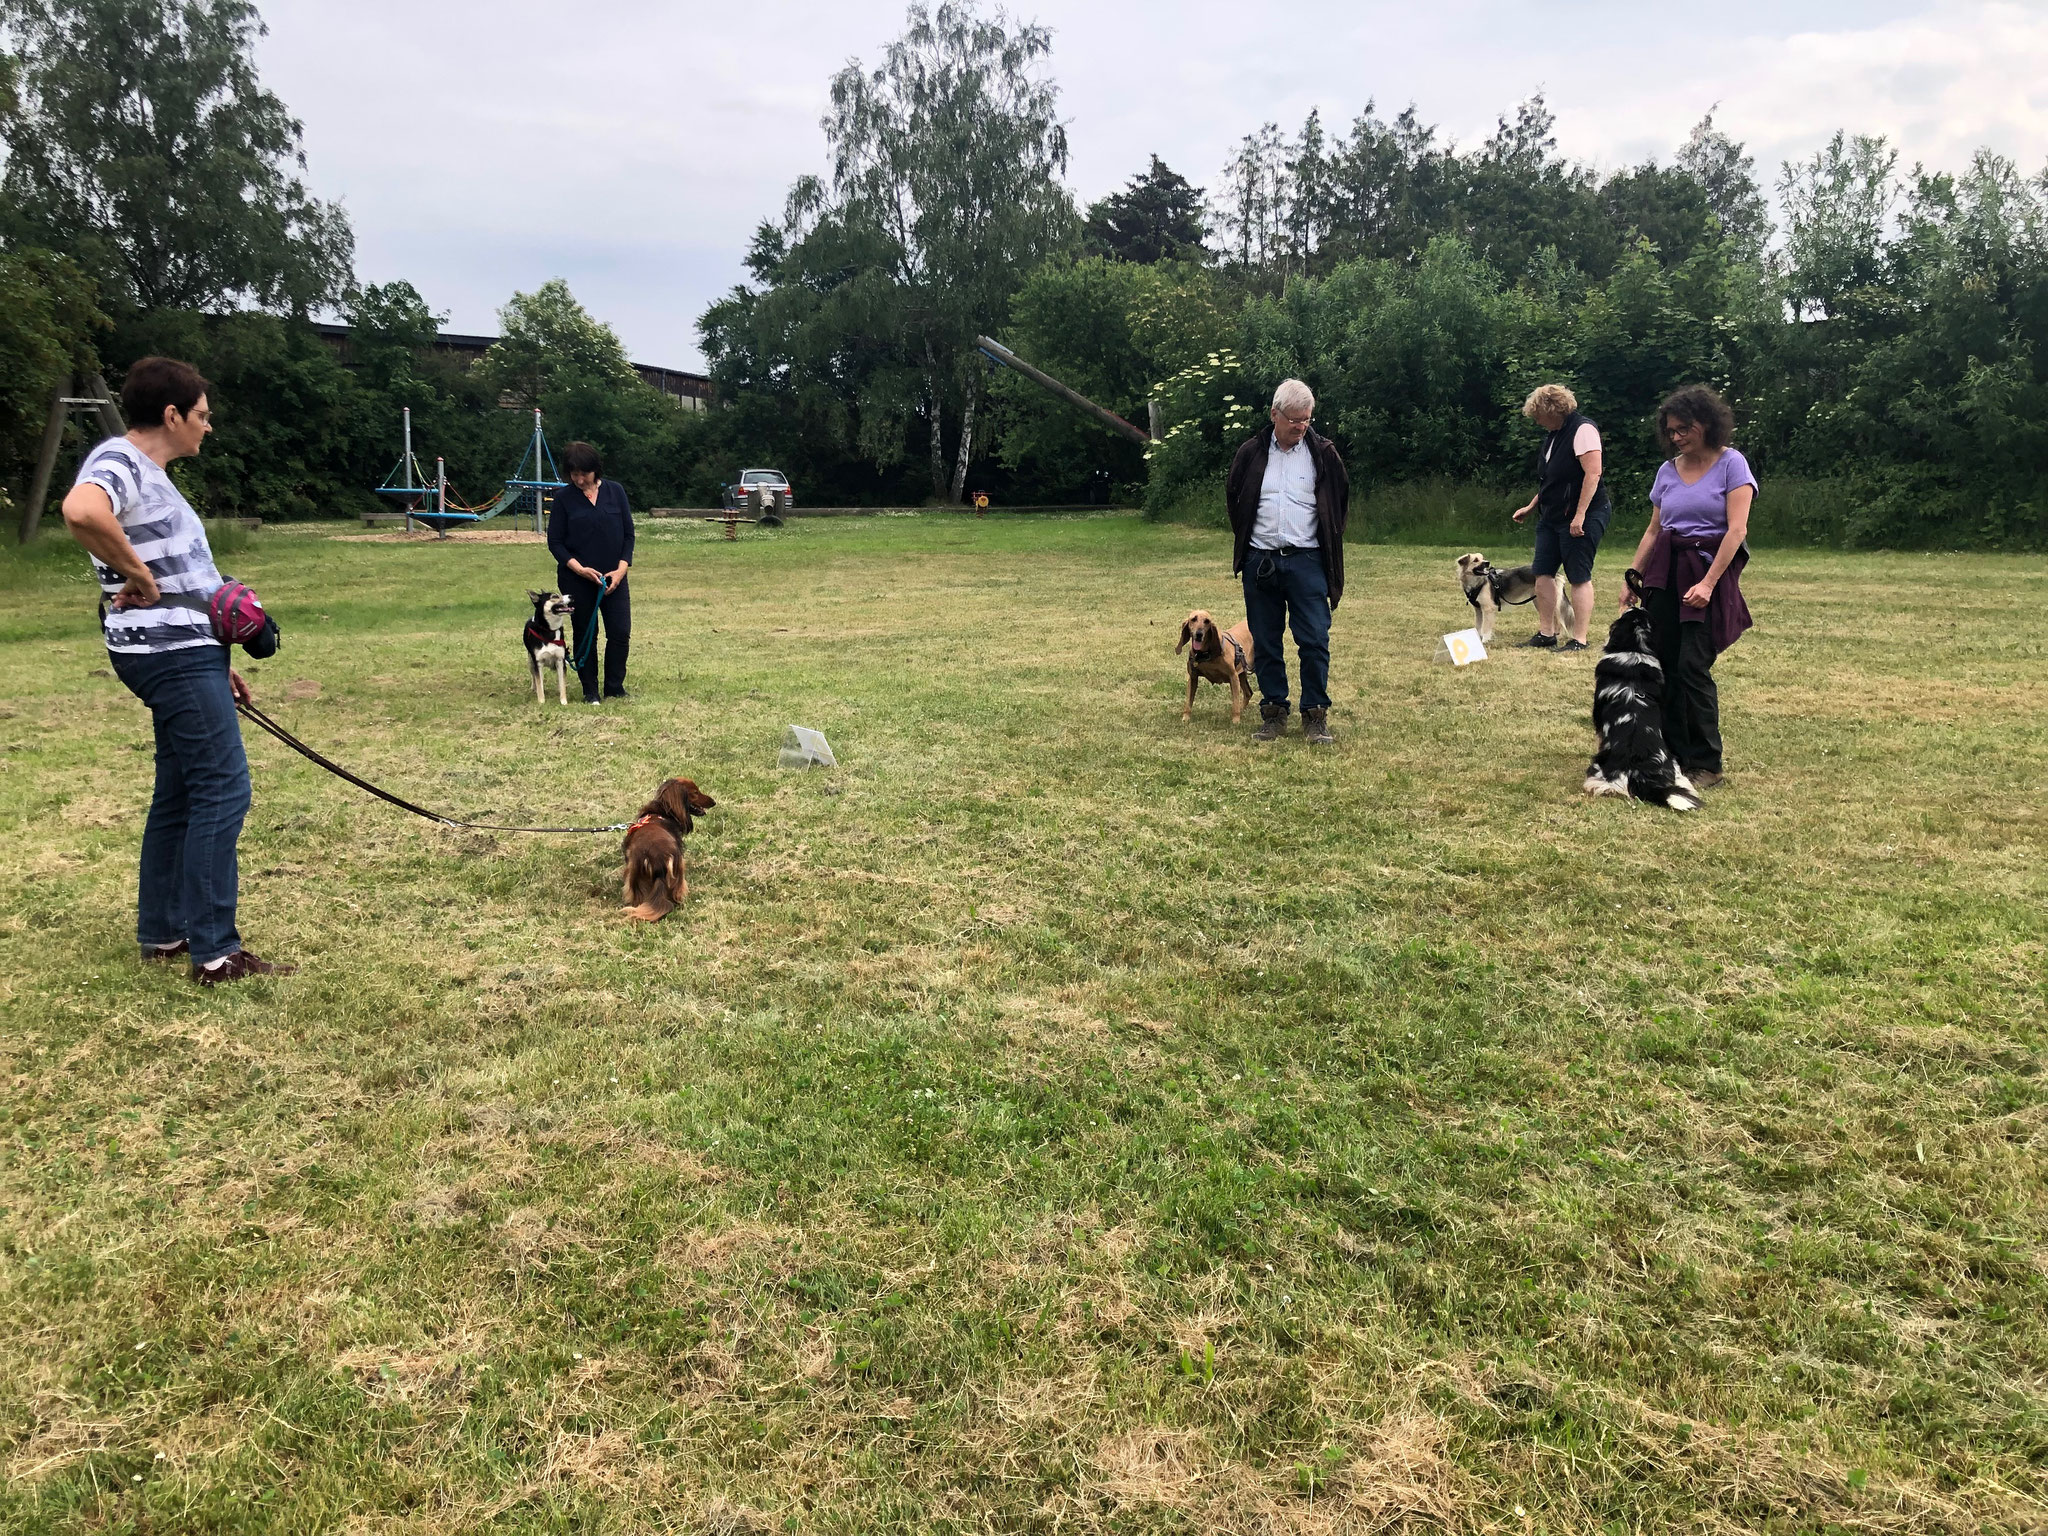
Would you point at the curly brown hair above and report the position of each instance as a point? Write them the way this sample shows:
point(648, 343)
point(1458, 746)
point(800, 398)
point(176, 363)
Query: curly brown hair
point(1698, 405)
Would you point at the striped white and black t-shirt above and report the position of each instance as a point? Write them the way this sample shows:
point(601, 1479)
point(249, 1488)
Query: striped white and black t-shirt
point(170, 540)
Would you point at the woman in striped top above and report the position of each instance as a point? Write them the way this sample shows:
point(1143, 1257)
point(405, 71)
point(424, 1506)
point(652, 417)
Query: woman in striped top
point(156, 574)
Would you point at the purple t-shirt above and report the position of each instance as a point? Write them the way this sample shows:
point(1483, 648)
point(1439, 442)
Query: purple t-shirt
point(1700, 510)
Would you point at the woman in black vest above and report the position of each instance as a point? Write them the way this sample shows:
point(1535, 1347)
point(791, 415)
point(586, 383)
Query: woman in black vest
point(1572, 511)
point(590, 534)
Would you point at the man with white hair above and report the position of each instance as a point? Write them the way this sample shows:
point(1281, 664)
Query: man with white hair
point(1289, 497)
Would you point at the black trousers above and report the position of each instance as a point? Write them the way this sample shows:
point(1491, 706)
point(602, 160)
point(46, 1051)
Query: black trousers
point(616, 609)
point(1692, 704)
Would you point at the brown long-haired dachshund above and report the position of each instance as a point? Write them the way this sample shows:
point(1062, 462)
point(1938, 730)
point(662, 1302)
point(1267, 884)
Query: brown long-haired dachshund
point(654, 881)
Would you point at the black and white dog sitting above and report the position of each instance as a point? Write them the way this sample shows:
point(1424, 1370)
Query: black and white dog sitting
point(1489, 589)
point(546, 646)
point(1628, 712)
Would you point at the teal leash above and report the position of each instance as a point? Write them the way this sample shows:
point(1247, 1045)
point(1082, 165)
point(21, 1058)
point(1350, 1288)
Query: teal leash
point(604, 585)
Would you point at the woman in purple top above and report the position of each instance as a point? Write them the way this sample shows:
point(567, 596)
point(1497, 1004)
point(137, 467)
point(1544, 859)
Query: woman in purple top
point(1690, 564)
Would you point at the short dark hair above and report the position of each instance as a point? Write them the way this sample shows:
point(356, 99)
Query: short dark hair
point(579, 458)
point(1700, 406)
point(156, 384)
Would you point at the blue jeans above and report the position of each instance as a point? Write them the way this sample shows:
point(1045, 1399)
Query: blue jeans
point(1289, 590)
point(189, 877)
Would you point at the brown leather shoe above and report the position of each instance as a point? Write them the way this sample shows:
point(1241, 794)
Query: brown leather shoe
point(156, 954)
point(1272, 722)
point(241, 963)
point(1704, 778)
point(1315, 725)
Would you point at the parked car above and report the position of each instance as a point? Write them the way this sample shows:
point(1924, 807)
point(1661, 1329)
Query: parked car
point(765, 492)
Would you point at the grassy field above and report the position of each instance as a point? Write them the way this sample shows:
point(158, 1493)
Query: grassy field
point(1057, 1118)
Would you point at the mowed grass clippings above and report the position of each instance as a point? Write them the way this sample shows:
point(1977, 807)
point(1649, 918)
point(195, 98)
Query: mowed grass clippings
point(1056, 1118)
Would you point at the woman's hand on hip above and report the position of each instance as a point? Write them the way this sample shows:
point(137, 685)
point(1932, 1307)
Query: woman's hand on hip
point(140, 592)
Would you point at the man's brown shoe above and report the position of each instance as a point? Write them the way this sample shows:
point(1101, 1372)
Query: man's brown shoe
point(1705, 778)
point(236, 966)
point(161, 954)
point(1272, 722)
point(1315, 725)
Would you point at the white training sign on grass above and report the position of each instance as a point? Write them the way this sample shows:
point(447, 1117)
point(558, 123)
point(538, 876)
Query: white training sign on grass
point(804, 748)
point(1461, 647)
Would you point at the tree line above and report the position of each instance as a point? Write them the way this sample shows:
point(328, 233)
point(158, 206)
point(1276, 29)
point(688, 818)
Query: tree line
point(1887, 341)
point(153, 200)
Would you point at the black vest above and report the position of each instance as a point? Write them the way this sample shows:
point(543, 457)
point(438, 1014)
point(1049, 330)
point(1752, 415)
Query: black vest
point(1560, 477)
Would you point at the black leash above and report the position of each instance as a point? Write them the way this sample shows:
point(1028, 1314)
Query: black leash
point(260, 719)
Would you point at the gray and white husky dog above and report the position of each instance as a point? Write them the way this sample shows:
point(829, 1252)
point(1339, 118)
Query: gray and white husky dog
point(1628, 713)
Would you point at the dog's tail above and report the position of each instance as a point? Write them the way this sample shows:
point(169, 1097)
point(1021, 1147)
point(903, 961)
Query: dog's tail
point(653, 909)
point(1674, 793)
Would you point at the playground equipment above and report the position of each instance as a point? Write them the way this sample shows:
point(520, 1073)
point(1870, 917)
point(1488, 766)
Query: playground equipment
point(447, 509)
point(88, 395)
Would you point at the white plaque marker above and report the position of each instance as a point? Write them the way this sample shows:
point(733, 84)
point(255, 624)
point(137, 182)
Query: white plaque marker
point(1461, 648)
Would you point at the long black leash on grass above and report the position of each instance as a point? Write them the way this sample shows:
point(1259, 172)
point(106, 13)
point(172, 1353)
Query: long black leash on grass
point(256, 717)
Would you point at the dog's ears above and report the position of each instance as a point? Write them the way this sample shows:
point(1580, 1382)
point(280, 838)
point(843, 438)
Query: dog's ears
point(675, 801)
point(535, 597)
point(1187, 626)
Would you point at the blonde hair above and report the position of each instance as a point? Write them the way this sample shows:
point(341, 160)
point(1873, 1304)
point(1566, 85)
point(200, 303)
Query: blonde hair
point(1550, 397)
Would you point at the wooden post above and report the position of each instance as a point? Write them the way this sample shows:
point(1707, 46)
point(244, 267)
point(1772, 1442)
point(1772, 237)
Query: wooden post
point(46, 461)
point(1046, 381)
point(109, 410)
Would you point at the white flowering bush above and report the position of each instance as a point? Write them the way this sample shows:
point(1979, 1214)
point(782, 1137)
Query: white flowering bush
point(1205, 411)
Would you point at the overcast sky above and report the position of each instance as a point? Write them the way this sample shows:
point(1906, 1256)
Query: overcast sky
point(631, 146)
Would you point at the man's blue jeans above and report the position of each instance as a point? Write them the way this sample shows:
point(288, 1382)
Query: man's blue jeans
point(189, 877)
point(1281, 591)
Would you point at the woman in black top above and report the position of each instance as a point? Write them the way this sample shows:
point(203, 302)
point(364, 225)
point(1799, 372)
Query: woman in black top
point(590, 533)
point(1572, 510)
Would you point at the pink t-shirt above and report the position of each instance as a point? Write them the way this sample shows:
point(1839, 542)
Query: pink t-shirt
point(1585, 440)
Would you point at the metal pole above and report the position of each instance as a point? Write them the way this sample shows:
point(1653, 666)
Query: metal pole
point(405, 465)
point(536, 468)
point(1152, 411)
point(46, 461)
point(441, 494)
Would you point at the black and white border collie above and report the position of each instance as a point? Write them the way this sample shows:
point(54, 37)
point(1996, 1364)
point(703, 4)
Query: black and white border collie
point(546, 645)
point(1628, 714)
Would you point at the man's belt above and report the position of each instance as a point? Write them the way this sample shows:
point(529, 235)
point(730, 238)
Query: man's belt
point(1286, 549)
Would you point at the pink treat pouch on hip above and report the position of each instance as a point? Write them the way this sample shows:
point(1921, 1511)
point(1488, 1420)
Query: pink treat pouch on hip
point(239, 619)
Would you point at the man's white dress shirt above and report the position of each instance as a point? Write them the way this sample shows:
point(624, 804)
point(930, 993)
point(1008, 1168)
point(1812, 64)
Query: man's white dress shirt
point(1287, 499)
